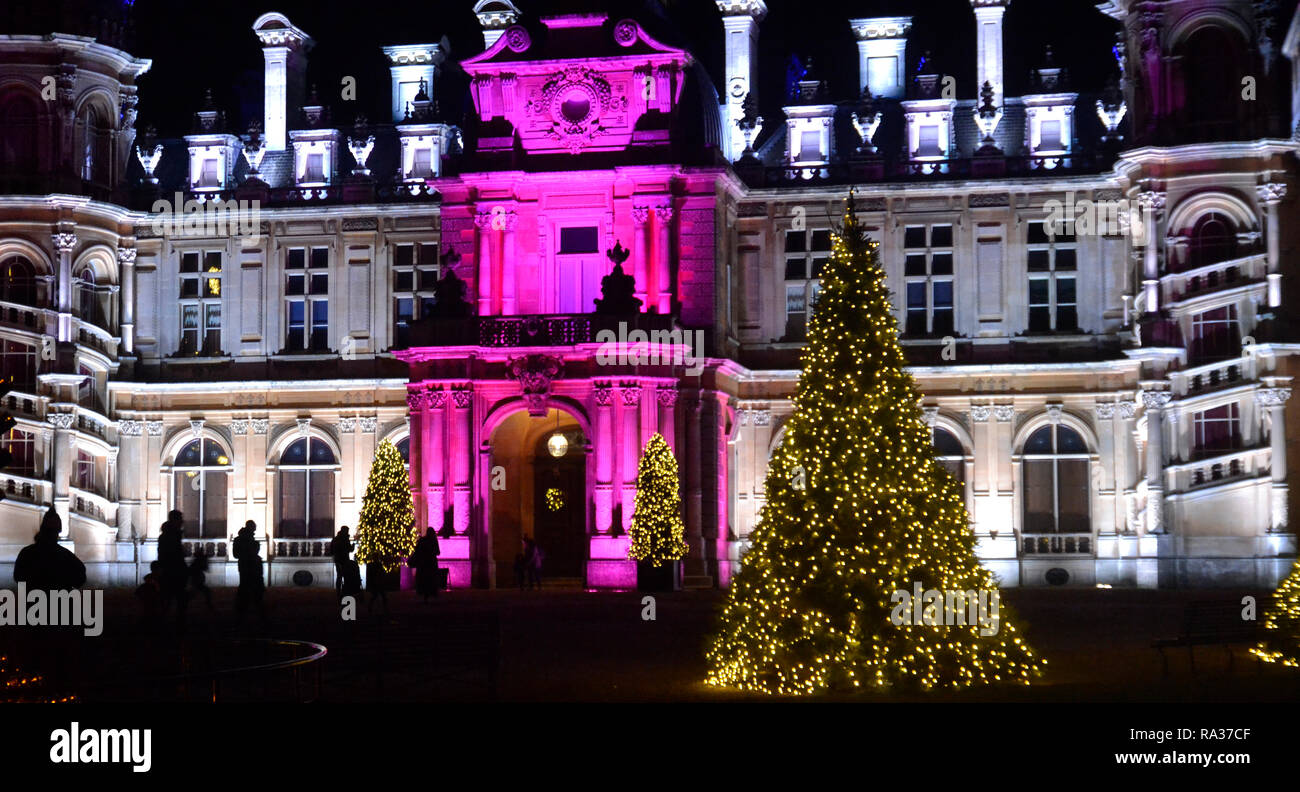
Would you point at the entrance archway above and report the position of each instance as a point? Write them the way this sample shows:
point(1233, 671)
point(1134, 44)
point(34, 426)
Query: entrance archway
point(538, 494)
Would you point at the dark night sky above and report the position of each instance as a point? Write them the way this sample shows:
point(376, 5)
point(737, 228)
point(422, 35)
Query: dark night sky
point(198, 46)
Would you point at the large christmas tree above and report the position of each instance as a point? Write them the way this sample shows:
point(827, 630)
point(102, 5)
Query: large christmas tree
point(1281, 640)
point(857, 509)
point(386, 533)
point(658, 533)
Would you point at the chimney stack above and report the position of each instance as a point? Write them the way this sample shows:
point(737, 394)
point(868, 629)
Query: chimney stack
point(882, 49)
point(740, 20)
point(495, 16)
point(284, 47)
point(988, 41)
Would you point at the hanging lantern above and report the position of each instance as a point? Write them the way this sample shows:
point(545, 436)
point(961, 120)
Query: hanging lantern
point(558, 445)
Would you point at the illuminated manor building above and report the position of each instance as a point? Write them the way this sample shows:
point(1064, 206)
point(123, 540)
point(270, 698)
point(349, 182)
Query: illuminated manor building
point(1112, 390)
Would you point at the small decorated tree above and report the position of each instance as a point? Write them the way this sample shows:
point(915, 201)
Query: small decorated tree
point(1281, 638)
point(658, 533)
point(386, 532)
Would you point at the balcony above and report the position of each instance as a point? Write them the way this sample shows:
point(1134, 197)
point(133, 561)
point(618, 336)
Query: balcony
point(22, 317)
point(532, 331)
point(1210, 377)
point(1056, 544)
point(1211, 278)
point(1211, 467)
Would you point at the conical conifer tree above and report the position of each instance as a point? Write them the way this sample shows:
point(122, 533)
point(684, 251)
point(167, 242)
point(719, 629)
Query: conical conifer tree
point(658, 533)
point(1281, 639)
point(386, 532)
point(857, 509)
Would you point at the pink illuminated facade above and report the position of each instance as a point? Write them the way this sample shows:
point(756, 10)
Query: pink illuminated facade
point(535, 252)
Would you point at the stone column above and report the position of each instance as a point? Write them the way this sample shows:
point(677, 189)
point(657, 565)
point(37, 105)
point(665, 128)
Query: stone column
point(693, 480)
point(432, 455)
point(641, 252)
point(1270, 195)
point(604, 446)
point(126, 274)
point(509, 260)
point(1152, 203)
point(64, 242)
point(483, 266)
point(1274, 400)
point(630, 440)
point(659, 292)
point(1155, 402)
point(667, 397)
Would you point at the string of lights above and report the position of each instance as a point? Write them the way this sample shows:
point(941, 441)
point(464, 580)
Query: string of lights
point(386, 531)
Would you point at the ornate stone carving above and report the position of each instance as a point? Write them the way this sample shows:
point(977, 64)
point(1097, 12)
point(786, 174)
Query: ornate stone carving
point(437, 398)
point(239, 426)
point(126, 256)
point(979, 413)
point(154, 428)
point(517, 39)
point(625, 33)
point(347, 425)
point(130, 428)
point(1155, 400)
point(667, 396)
point(663, 214)
point(416, 401)
point(1127, 409)
point(641, 214)
point(534, 373)
point(1105, 410)
point(1004, 412)
point(1271, 193)
point(196, 428)
point(261, 425)
point(1054, 413)
point(1272, 397)
point(604, 395)
point(304, 426)
point(463, 397)
point(368, 423)
point(64, 241)
point(929, 415)
point(61, 420)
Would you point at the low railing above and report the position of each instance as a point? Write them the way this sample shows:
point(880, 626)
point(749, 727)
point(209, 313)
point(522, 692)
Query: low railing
point(207, 673)
point(211, 548)
point(20, 404)
point(1212, 376)
point(300, 548)
point(1217, 467)
point(24, 488)
point(1178, 286)
point(1056, 544)
point(22, 316)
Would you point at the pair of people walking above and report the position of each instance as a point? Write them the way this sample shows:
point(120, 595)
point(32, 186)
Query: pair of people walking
point(528, 564)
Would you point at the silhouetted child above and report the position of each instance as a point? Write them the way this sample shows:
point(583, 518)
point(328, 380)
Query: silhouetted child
point(351, 583)
point(150, 595)
point(198, 576)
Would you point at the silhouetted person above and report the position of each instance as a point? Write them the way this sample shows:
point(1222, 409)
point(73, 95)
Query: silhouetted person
point(47, 566)
point(377, 584)
point(341, 550)
point(532, 563)
point(198, 573)
point(251, 585)
point(172, 570)
point(424, 560)
point(149, 593)
point(351, 579)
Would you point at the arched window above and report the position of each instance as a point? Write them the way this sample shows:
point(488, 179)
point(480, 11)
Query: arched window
point(404, 448)
point(93, 154)
point(19, 127)
point(1214, 63)
point(88, 299)
point(22, 452)
point(1214, 239)
point(17, 281)
point(200, 488)
point(1056, 482)
point(307, 469)
point(949, 453)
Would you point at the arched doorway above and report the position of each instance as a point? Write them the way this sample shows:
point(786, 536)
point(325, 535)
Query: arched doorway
point(538, 489)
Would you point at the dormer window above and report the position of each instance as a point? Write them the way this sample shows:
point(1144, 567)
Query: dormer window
point(1050, 136)
point(208, 175)
point(421, 164)
point(314, 156)
point(315, 168)
point(928, 142)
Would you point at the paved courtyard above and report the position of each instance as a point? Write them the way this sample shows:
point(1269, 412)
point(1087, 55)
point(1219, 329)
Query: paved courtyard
point(560, 645)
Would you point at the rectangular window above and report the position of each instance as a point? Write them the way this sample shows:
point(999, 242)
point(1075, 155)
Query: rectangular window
point(928, 145)
point(927, 274)
point(415, 275)
point(18, 365)
point(806, 254)
point(1216, 431)
point(84, 474)
point(579, 240)
point(200, 275)
point(1051, 260)
point(810, 147)
point(208, 173)
point(315, 168)
point(306, 290)
point(1215, 334)
point(882, 72)
point(422, 163)
point(1049, 136)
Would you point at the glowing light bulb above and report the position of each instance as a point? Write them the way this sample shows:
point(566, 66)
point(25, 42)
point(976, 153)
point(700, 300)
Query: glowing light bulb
point(558, 445)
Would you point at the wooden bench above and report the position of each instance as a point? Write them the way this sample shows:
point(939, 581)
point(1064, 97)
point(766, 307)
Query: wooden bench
point(1209, 624)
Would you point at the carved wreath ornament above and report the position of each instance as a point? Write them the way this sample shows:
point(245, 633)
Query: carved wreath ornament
point(574, 101)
